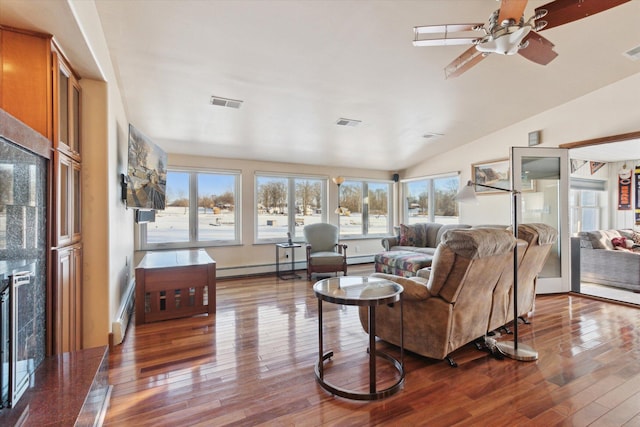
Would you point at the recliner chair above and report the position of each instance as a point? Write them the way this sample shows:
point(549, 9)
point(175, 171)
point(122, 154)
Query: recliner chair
point(452, 308)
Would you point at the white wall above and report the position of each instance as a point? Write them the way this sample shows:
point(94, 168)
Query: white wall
point(609, 111)
point(106, 224)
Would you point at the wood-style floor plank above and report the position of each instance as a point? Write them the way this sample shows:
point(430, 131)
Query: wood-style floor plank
point(252, 364)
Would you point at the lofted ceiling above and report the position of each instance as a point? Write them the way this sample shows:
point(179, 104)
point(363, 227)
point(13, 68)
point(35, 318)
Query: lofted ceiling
point(299, 66)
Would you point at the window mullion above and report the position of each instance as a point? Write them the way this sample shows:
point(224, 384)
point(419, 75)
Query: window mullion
point(291, 206)
point(365, 208)
point(432, 201)
point(193, 206)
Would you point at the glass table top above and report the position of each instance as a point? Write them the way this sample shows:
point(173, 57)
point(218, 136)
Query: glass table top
point(356, 290)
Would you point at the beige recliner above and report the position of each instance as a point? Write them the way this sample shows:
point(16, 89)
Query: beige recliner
point(534, 243)
point(452, 308)
point(540, 239)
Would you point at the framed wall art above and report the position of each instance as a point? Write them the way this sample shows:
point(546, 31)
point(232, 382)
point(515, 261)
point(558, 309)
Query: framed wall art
point(495, 173)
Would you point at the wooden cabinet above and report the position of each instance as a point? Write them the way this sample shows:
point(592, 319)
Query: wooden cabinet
point(68, 221)
point(67, 299)
point(39, 87)
point(66, 112)
point(26, 78)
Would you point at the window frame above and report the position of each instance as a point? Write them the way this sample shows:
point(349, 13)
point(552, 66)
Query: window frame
point(193, 241)
point(365, 208)
point(291, 207)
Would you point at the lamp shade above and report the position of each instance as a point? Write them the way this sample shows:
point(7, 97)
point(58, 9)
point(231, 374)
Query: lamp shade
point(467, 194)
point(338, 180)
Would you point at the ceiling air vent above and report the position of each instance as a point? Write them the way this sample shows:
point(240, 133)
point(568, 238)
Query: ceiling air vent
point(348, 122)
point(225, 102)
point(633, 54)
point(430, 135)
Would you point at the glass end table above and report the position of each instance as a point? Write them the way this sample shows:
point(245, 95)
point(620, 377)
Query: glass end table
point(360, 291)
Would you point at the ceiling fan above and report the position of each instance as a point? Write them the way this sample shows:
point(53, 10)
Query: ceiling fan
point(508, 33)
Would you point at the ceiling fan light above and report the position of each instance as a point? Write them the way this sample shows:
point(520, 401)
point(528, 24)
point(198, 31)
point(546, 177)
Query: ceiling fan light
point(507, 44)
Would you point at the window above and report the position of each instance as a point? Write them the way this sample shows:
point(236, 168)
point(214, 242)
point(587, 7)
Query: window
point(584, 207)
point(365, 208)
point(587, 200)
point(431, 200)
point(200, 211)
point(275, 216)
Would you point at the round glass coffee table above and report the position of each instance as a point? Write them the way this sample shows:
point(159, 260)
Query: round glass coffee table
point(360, 291)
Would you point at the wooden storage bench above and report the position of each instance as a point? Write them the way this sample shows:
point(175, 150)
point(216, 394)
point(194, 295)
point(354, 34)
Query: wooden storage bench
point(172, 284)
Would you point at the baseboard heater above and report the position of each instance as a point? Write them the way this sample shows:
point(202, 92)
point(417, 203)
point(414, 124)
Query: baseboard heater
point(125, 314)
point(251, 270)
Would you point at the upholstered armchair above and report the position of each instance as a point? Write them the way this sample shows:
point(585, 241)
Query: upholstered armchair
point(324, 253)
point(452, 307)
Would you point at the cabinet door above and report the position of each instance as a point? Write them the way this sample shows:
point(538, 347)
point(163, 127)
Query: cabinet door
point(63, 199)
point(66, 112)
point(68, 189)
point(76, 207)
point(75, 328)
point(25, 78)
point(67, 320)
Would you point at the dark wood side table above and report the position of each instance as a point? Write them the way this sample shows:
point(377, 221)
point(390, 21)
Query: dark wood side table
point(172, 284)
point(291, 273)
point(361, 291)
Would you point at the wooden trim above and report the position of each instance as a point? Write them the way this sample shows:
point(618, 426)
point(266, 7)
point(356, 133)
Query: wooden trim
point(602, 140)
point(25, 32)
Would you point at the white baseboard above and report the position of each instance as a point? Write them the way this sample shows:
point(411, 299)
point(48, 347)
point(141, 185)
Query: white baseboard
point(125, 314)
point(250, 270)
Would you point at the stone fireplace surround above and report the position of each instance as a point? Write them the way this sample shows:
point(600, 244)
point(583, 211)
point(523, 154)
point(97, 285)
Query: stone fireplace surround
point(65, 389)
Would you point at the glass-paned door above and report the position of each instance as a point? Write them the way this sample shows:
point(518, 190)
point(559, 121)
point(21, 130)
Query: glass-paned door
point(542, 174)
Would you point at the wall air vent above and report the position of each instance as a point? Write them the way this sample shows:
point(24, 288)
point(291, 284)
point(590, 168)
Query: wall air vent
point(348, 122)
point(633, 54)
point(225, 102)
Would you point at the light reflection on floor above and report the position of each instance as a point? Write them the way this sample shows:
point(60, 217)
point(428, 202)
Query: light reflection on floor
point(610, 292)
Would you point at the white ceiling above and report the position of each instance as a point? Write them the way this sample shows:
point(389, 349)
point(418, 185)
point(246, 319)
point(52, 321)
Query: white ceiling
point(301, 65)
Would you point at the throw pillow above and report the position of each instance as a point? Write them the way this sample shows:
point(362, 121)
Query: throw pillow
point(635, 236)
point(408, 235)
point(619, 242)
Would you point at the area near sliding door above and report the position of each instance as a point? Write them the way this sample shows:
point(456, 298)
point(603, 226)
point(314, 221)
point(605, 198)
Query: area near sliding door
point(542, 174)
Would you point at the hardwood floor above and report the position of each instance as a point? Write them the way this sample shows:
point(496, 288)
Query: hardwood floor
point(252, 364)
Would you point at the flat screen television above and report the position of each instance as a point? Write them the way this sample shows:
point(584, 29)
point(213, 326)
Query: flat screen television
point(146, 173)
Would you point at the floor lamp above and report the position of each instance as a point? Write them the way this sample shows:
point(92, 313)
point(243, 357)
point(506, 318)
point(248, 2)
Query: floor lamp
point(513, 350)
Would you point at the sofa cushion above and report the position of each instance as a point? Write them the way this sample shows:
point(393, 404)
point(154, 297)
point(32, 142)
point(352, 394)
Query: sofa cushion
point(326, 258)
point(601, 239)
point(427, 251)
point(402, 263)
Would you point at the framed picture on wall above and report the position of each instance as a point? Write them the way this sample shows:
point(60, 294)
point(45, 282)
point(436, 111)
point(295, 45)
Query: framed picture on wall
point(495, 173)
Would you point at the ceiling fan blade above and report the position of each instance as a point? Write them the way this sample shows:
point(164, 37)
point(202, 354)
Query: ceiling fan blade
point(446, 28)
point(446, 34)
point(561, 12)
point(462, 63)
point(511, 9)
point(538, 50)
point(445, 42)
